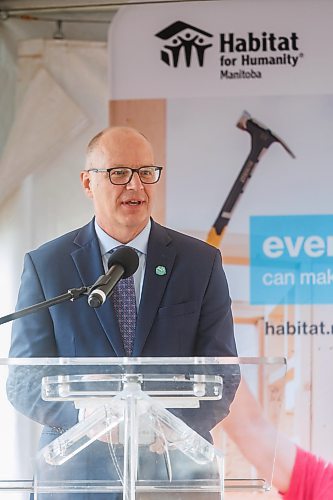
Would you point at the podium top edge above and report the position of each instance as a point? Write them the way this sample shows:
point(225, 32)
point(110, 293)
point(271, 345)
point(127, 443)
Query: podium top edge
point(145, 361)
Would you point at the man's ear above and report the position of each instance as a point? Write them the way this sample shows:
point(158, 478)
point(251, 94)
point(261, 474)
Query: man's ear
point(85, 181)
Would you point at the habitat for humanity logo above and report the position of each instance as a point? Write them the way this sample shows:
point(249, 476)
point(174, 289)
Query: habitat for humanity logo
point(240, 55)
point(184, 40)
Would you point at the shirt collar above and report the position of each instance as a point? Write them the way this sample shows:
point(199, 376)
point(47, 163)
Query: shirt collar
point(107, 243)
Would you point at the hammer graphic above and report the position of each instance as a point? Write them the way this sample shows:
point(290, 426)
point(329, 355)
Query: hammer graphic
point(261, 139)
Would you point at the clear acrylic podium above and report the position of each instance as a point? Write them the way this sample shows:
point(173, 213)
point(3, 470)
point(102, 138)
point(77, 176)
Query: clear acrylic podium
point(134, 428)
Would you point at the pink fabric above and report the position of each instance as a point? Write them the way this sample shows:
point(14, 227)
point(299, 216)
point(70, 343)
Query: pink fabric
point(312, 478)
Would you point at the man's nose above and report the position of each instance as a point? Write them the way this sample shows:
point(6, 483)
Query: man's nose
point(135, 183)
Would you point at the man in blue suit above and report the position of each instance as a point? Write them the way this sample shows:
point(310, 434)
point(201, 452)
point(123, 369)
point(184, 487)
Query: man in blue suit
point(182, 298)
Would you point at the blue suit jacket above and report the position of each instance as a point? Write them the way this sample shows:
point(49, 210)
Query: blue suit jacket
point(183, 313)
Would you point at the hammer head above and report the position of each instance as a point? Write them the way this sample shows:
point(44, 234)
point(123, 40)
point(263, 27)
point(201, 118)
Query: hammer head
point(260, 134)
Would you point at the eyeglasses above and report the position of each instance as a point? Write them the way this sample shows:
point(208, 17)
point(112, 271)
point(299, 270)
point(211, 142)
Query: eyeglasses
point(123, 175)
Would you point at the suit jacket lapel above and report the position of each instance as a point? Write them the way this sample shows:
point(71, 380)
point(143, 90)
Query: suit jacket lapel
point(88, 261)
point(160, 253)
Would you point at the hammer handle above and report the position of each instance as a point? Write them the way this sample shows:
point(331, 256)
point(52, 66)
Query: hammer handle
point(216, 232)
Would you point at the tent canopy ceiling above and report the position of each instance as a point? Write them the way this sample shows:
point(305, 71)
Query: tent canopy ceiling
point(73, 10)
point(69, 9)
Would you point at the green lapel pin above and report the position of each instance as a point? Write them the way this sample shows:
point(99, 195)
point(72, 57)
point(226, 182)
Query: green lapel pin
point(160, 271)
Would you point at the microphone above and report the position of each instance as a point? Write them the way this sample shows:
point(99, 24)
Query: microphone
point(122, 264)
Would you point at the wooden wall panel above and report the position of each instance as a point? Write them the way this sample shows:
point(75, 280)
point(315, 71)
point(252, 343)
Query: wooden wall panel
point(149, 117)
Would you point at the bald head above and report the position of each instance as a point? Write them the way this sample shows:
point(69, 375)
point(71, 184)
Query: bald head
point(111, 141)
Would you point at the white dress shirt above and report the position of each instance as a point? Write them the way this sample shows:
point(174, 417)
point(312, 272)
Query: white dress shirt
point(139, 243)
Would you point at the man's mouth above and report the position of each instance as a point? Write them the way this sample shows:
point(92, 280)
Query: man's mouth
point(133, 203)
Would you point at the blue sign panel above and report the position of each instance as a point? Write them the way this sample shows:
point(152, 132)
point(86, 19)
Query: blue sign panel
point(291, 259)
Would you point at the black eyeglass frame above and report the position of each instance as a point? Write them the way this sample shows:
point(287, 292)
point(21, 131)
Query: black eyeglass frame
point(133, 170)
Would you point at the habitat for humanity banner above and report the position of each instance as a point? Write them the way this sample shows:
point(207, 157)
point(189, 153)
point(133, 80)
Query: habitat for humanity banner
point(237, 97)
point(221, 48)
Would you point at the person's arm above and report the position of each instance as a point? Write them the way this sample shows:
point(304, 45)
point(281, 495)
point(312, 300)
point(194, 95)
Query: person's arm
point(215, 338)
point(258, 439)
point(33, 337)
point(216, 329)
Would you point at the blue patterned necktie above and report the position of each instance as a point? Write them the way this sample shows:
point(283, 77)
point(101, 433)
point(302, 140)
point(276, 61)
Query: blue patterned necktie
point(124, 302)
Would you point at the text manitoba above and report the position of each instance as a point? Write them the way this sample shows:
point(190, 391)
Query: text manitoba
point(241, 74)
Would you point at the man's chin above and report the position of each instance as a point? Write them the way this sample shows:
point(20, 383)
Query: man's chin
point(136, 224)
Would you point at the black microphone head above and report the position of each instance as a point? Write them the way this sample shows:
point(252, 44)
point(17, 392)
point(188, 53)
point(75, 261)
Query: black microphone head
point(125, 257)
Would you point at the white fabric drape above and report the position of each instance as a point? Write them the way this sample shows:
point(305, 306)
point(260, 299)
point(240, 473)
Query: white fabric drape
point(61, 104)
